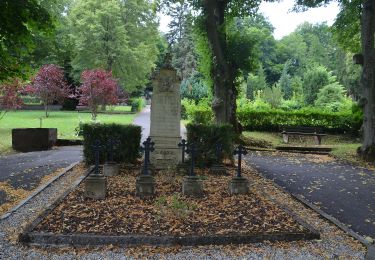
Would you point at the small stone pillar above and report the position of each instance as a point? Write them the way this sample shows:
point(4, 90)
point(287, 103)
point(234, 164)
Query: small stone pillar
point(96, 183)
point(145, 186)
point(95, 186)
point(239, 185)
point(145, 183)
point(192, 185)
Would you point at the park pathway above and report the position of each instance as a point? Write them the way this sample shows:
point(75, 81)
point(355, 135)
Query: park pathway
point(143, 120)
point(26, 170)
point(341, 190)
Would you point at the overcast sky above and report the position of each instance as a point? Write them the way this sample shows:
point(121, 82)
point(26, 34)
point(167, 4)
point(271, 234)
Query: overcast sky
point(284, 21)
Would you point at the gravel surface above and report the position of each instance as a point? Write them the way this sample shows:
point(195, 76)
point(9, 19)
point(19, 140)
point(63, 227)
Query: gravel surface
point(334, 243)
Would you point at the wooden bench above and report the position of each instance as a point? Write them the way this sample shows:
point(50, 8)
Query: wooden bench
point(317, 132)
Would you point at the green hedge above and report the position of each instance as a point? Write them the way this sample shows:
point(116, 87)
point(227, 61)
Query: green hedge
point(274, 120)
point(206, 136)
point(129, 137)
point(137, 104)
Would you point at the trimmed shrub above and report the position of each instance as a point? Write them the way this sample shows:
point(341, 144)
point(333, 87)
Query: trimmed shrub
point(275, 119)
point(206, 136)
point(70, 104)
point(129, 137)
point(137, 104)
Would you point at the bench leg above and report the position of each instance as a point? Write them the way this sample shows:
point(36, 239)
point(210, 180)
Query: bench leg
point(318, 139)
point(285, 138)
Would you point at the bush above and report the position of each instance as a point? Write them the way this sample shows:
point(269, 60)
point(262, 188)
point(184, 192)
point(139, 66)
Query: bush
point(275, 119)
point(206, 136)
point(199, 113)
point(70, 104)
point(129, 137)
point(137, 104)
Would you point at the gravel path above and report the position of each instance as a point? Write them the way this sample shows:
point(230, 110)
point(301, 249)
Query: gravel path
point(334, 243)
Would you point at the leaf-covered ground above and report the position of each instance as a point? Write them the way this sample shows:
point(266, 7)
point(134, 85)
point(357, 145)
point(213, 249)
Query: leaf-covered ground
point(169, 213)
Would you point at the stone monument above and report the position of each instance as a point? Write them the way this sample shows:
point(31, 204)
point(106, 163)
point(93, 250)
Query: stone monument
point(165, 117)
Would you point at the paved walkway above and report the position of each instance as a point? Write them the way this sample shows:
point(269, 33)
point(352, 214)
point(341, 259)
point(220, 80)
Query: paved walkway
point(25, 170)
point(341, 190)
point(143, 120)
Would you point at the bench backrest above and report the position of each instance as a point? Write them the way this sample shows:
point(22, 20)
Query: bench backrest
point(303, 129)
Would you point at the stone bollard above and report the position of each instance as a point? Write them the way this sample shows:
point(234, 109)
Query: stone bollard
point(145, 183)
point(111, 169)
point(145, 186)
point(192, 186)
point(96, 183)
point(95, 186)
point(239, 185)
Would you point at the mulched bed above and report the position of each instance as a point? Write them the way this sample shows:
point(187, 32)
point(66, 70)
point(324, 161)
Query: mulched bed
point(169, 212)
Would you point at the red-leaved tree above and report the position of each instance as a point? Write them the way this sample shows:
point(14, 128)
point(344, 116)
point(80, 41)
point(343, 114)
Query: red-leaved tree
point(10, 96)
point(98, 88)
point(49, 85)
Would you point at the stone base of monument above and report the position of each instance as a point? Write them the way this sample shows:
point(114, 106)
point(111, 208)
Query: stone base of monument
point(111, 169)
point(95, 186)
point(182, 168)
point(145, 186)
point(239, 185)
point(218, 169)
point(192, 186)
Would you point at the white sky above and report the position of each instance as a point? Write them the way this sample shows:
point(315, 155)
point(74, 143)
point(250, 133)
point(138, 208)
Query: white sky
point(284, 21)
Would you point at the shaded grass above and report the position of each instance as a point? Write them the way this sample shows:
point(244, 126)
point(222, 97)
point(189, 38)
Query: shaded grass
point(66, 123)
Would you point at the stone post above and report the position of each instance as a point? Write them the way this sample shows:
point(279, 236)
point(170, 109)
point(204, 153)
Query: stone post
point(95, 183)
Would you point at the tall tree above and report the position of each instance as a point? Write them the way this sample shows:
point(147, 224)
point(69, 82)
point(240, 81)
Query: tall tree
point(285, 82)
point(115, 35)
point(19, 20)
point(358, 18)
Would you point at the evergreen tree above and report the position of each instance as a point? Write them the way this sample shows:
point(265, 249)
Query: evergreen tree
point(285, 82)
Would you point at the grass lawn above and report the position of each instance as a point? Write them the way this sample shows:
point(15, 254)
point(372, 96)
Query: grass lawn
point(343, 146)
point(65, 122)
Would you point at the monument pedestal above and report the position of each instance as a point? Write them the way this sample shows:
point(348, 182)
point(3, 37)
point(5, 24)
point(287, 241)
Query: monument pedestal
point(239, 185)
point(192, 186)
point(111, 169)
point(95, 186)
point(145, 186)
point(167, 154)
point(218, 169)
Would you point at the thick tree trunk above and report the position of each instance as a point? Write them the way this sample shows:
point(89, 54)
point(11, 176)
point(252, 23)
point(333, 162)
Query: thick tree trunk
point(224, 101)
point(368, 79)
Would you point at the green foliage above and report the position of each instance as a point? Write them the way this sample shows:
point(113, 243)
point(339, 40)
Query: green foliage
point(285, 82)
point(115, 35)
point(198, 113)
point(205, 136)
point(255, 83)
point(129, 137)
point(19, 21)
point(137, 104)
point(194, 88)
point(313, 80)
point(274, 119)
point(273, 95)
point(331, 95)
point(70, 104)
point(242, 45)
point(204, 57)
